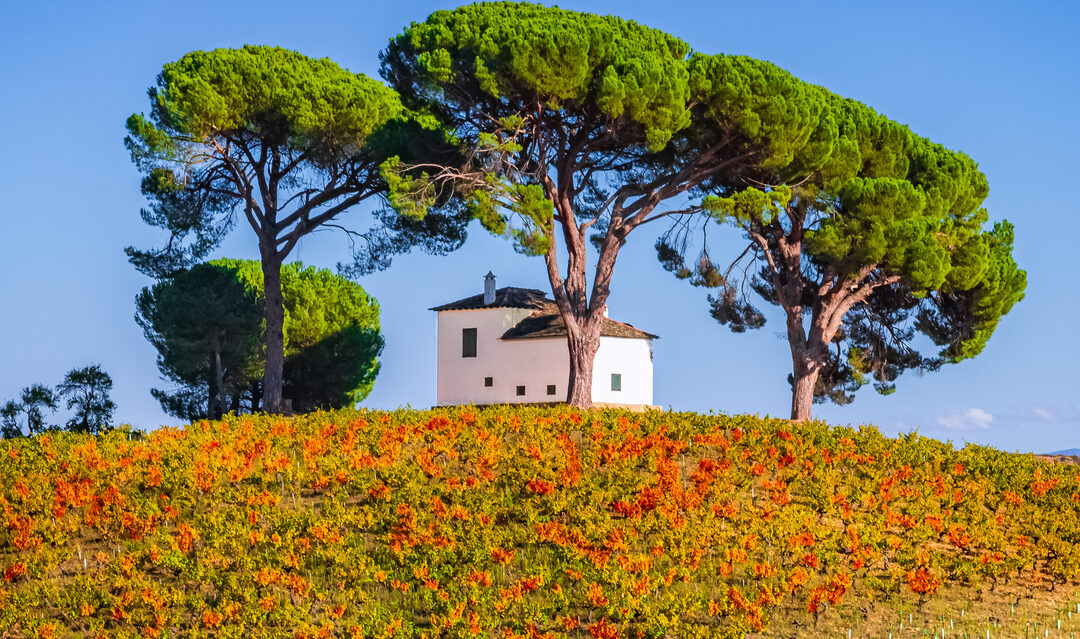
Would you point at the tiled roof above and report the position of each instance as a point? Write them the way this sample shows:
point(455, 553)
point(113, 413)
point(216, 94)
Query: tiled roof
point(546, 322)
point(510, 296)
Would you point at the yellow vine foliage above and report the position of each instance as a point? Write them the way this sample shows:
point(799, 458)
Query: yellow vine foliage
point(520, 522)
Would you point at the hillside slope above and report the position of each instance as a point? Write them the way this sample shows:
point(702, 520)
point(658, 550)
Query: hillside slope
point(531, 522)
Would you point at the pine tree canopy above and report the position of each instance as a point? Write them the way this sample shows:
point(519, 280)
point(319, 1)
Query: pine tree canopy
point(318, 302)
point(557, 114)
point(521, 53)
point(289, 143)
point(267, 130)
point(861, 230)
point(845, 210)
point(331, 329)
point(268, 93)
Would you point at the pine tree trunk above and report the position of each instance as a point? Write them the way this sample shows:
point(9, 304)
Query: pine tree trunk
point(806, 359)
point(211, 392)
point(802, 390)
point(583, 317)
point(582, 355)
point(219, 380)
point(275, 331)
point(809, 353)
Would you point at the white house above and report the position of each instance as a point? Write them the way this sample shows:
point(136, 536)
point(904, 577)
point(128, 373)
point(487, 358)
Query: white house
point(509, 346)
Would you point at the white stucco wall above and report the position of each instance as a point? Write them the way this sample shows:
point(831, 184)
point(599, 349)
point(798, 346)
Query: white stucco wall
point(533, 363)
point(632, 358)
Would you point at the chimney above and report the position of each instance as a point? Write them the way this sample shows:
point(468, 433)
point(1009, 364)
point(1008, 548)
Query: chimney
point(489, 288)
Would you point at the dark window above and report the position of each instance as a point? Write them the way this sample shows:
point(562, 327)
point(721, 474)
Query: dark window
point(551, 389)
point(489, 381)
point(616, 381)
point(521, 391)
point(468, 342)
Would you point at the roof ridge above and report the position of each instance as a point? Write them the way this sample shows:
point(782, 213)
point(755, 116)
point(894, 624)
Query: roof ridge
point(505, 297)
point(547, 321)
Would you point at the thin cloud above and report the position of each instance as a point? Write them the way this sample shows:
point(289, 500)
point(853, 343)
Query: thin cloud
point(1061, 413)
point(1044, 414)
point(971, 419)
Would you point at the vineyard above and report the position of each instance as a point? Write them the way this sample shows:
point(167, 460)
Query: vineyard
point(531, 523)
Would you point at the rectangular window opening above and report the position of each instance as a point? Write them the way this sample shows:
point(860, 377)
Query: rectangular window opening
point(489, 382)
point(468, 342)
point(616, 381)
point(551, 389)
point(521, 391)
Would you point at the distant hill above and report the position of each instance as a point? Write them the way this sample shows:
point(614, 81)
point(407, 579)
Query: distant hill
point(1068, 451)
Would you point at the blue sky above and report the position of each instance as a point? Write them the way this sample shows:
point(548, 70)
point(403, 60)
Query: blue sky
point(993, 79)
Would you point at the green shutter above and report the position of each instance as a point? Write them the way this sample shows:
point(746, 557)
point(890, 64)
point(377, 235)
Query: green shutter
point(468, 342)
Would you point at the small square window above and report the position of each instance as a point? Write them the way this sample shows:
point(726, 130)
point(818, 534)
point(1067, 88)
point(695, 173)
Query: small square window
point(521, 391)
point(468, 342)
point(489, 382)
point(551, 389)
point(616, 381)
